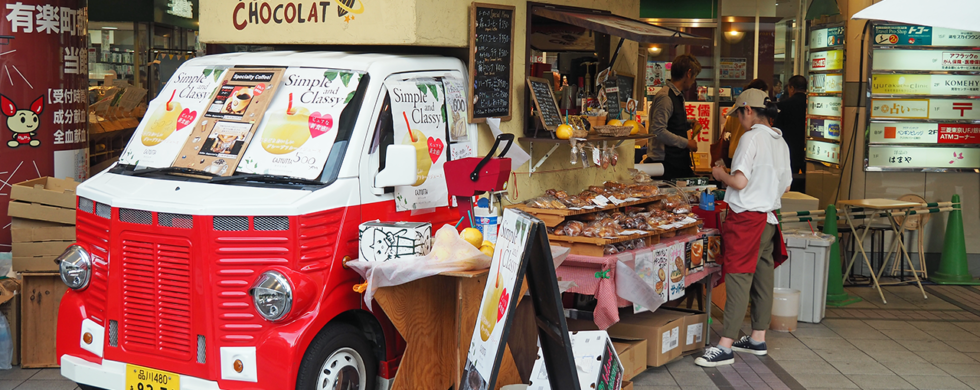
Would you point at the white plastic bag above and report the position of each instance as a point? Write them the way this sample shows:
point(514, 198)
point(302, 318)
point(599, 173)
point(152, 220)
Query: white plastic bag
point(449, 253)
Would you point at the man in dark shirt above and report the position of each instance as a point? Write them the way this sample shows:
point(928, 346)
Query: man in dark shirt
point(792, 121)
point(671, 144)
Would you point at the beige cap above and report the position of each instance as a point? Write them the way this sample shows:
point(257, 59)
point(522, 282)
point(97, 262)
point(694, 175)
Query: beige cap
point(750, 97)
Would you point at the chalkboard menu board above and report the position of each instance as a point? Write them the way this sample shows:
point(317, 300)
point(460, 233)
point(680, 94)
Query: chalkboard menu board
point(625, 83)
point(544, 101)
point(612, 99)
point(491, 50)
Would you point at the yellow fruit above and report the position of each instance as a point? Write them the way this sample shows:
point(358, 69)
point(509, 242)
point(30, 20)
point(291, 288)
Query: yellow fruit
point(439, 254)
point(487, 243)
point(564, 132)
point(161, 125)
point(445, 235)
point(421, 154)
point(636, 126)
point(284, 133)
point(614, 122)
point(487, 250)
point(472, 236)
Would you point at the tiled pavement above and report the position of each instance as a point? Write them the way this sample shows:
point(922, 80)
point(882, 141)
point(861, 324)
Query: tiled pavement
point(909, 343)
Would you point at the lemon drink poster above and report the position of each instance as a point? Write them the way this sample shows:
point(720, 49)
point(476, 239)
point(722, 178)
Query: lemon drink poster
point(419, 115)
point(499, 298)
point(172, 117)
point(457, 108)
point(300, 126)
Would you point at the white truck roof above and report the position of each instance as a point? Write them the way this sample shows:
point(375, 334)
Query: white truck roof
point(373, 63)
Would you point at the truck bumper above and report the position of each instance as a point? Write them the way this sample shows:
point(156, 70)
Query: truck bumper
point(111, 375)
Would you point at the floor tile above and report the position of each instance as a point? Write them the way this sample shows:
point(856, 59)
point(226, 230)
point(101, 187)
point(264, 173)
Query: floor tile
point(945, 357)
point(954, 336)
point(641, 387)
point(927, 346)
point(812, 332)
point(965, 346)
point(782, 343)
point(861, 334)
point(935, 382)
point(655, 377)
point(693, 378)
point(907, 334)
point(972, 369)
point(892, 356)
point(860, 367)
point(884, 324)
point(48, 374)
point(880, 382)
point(827, 343)
point(877, 345)
point(819, 381)
point(915, 368)
point(794, 367)
point(836, 324)
point(780, 355)
point(685, 364)
point(832, 355)
point(47, 385)
point(972, 381)
point(17, 374)
point(9, 384)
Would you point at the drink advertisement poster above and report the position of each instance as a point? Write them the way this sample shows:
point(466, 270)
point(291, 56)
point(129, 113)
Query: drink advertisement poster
point(172, 116)
point(733, 68)
point(219, 138)
point(418, 107)
point(499, 300)
point(300, 126)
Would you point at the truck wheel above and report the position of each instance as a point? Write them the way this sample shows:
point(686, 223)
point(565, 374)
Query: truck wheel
point(339, 358)
point(87, 387)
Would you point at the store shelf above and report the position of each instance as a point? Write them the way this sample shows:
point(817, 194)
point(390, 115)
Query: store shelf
point(558, 142)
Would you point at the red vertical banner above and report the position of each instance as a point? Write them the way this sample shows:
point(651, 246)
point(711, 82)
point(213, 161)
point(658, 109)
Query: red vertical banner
point(43, 94)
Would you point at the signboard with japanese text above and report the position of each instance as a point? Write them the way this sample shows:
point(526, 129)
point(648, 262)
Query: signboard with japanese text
point(925, 84)
point(924, 133)
point(935, 157)
point(938, 109)
point(826, 60)
point(733, 68)
point(420, 120)
point(172, 116)
point(657, 74)
point(826, 37)
point(934, 60)
point(826, 83)
point(823, 151)
point(703, 113)
point(909, 35)
point(828, 129)
point(43, 95)
point(824, 106)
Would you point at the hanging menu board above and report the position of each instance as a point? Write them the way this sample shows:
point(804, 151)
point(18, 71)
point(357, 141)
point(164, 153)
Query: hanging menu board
point(544, 102)
point(612, 99)
point(825, 103)
point(923, 116)
point(222, 135)
point(491, 57)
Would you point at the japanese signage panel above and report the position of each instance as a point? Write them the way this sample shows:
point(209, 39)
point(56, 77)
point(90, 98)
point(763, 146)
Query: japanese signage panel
point(823, 151)
point(924, 133)
point(939, 109)
point(824, 128)
point(826, 83)
point(43, 95)
point(657, 74)
point(826, 37)
point(703, 113)
point(420, 105)
point(925, 84)
point(827, 60)
point(923, 157)
point(926, 60)
point(824, 106)
point(908, 35)
point(733, 68)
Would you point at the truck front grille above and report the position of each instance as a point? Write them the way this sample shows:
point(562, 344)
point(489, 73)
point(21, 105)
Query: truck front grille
point(157, 295)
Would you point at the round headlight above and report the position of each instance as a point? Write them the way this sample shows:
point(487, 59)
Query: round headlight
point(75, 266)
point(272, 295)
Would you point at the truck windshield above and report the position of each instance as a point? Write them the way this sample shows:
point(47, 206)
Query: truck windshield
point(292, 128)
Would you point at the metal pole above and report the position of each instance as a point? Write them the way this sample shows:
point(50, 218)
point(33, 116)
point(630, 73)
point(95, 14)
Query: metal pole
point(755, 67)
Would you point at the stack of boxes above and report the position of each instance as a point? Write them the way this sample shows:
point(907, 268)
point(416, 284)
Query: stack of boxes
point(43, 225)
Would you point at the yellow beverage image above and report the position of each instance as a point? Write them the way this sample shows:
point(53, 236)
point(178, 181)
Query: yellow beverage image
point(421, 154)
point(488, 316)
point(161, 125)
point(286, 132)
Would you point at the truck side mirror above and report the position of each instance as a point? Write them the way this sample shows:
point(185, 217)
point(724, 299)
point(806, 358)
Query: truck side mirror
point(401, 167)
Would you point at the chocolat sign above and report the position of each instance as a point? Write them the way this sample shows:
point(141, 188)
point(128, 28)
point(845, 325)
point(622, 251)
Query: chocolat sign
point(299, 12)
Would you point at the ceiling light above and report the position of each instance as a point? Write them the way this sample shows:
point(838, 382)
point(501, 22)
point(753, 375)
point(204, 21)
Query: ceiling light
point(654, 50)
point(734, 36)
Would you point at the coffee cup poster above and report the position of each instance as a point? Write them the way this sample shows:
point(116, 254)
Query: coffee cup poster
point(419, 114)
point(173, 115)
point(502, 289)
point(300, 126)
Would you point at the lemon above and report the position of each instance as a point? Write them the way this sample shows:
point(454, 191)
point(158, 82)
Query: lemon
point(445, 235)
point(487, 250)
point(635, 125)
point(487, 243)
point(472, 236)
point(615, 122)
point(564, 132)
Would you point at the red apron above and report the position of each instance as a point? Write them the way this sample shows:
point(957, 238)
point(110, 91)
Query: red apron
point(741, 235)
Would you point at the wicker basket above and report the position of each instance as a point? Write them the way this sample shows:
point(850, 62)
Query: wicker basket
point(613, 131)
point(580, 134)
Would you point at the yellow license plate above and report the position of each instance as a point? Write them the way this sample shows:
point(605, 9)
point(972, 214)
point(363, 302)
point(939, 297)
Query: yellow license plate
point(142, 378)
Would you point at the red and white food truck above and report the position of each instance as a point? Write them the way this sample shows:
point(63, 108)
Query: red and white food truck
point(211, 256)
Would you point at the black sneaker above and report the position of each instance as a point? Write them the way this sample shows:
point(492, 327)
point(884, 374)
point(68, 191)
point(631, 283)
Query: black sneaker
point(745, 345)
point(714, 357)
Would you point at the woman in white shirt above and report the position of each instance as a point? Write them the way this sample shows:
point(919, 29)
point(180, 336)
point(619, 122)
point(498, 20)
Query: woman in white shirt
point(759, 176)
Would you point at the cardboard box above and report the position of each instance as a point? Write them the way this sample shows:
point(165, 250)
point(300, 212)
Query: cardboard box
point(386, 241)
point(42, 295)
point(29, 230)
point(35, 264)
point(694, 331)
point(678, 270)
point(627, 386)
point(633, 356)
point(41, 212)
point(662, 329)
point(46, 191)
point(39, 249)
point(598, 364)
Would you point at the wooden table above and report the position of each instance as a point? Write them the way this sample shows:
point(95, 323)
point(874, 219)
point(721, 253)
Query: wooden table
point(876, 208)
point(436, 316)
